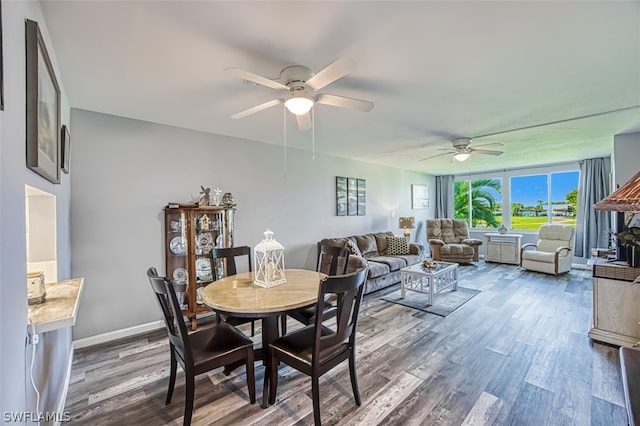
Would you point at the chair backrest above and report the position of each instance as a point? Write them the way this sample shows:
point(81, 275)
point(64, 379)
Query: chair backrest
point(229, 256)
point(451, 231)
point(171, 314)
point(550, 237)
point(348, 291)
point(332, 260)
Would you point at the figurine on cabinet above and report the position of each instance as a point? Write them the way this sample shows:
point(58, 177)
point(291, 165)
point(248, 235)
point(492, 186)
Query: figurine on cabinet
point(205, 222)
point(204, 197)
point(217, 196)
point(227, 200)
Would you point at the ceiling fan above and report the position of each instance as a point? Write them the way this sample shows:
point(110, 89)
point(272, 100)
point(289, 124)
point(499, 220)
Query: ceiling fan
point(462, 149)
point(298, 85)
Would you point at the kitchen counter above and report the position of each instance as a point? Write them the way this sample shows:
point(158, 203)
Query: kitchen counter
point(60, 308)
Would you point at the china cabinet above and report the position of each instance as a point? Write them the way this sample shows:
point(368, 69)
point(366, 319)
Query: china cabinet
point(190, 235)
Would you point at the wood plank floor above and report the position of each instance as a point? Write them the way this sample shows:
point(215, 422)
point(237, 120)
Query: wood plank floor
point(516, 354)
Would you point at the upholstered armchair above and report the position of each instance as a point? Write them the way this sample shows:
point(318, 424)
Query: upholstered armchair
point(553, 252)
point(449, 241)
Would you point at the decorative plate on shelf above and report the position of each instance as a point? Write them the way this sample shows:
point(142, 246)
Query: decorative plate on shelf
point(203, 269)
point(177, 246)
point(180, 276)
point(204, 243)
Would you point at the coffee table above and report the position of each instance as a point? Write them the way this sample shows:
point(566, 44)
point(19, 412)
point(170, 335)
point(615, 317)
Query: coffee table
point(429, 280)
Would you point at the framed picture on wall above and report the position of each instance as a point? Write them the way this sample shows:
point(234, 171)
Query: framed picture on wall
point(341, 196)
point(362, 197)
point(43, 107)
point(419, 197)
point(65, 148)
point(352, 196)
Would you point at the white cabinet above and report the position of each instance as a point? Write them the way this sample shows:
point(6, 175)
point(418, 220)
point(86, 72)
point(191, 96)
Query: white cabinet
point(616, 315)
point(502, 248)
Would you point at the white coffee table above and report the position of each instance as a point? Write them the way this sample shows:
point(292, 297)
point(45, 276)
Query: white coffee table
point(429, 280)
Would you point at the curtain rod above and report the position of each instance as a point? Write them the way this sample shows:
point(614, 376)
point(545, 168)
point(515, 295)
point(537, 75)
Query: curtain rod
point(522, 168)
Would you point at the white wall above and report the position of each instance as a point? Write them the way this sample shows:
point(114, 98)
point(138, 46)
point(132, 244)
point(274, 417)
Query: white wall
point(125, 171)
point(16, 394)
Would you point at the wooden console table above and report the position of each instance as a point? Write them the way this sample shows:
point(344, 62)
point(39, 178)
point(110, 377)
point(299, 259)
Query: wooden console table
point(616, 302)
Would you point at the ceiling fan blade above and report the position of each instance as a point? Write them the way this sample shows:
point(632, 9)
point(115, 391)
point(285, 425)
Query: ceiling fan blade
point(344, 102)
point(437, 155)
point(485, 151)
point(256, 108)
point(304, 121)
point(263, 81)
point(331, 73)
point(491, 144)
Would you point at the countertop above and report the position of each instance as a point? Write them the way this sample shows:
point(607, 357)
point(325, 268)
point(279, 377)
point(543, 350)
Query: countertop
point(60, 308)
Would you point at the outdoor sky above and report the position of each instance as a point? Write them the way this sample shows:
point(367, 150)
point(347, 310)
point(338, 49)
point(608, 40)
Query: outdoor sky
point(529, 189)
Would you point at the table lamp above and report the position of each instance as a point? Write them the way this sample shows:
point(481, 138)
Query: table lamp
point(407, 223)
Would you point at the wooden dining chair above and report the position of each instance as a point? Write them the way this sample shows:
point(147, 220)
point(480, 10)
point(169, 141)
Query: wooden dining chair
point(202, 350)
point(332, 260)
point(229, 256)
point(316, 349)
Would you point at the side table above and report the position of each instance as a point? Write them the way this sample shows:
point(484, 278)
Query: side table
point(502, 248)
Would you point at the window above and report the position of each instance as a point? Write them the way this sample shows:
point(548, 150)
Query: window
point(479, 202)
point(543, 198)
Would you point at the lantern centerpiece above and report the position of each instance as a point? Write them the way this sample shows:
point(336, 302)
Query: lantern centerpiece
point(269, 262)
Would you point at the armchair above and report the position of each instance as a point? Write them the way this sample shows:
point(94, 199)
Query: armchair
point(553, 252)
point(449, 241)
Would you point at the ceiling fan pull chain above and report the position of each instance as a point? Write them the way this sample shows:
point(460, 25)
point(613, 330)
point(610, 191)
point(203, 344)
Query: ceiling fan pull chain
point(313, 133)
point(284, 128)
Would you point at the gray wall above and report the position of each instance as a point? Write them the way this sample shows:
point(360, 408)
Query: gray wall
point(125, 171)
point(54, 351)
point(626, 152)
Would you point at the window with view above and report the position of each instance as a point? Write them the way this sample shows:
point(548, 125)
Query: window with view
point(479, 202)
point(544, 198)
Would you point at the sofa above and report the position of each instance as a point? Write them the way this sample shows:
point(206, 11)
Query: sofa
point(449, 241)
point(379, 251)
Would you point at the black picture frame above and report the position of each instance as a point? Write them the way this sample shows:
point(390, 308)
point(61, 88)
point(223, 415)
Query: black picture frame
point(362, 197)
point(352, 196)
point(43, 107)
point(341, 196)
point(65, 141)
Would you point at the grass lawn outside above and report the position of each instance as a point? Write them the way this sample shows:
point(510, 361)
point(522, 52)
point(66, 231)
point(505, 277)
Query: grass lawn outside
point(533, 223)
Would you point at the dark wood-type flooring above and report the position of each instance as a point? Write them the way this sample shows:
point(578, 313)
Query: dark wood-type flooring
point(516, 354)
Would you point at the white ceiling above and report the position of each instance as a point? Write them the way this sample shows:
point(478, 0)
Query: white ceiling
point(435, 70)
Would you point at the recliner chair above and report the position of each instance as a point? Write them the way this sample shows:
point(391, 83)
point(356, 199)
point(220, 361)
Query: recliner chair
point(449, 241)
point(553, 252)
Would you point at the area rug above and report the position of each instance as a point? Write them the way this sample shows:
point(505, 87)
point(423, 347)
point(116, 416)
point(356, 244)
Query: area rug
point(444, 302)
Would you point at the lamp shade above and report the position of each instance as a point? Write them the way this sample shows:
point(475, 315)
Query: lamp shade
point(461, 156)
point(407, 222)
point(624, 199)
point(299, 103)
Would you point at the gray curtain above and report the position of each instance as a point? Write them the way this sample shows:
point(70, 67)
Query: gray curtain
point(592, 227)
point(444, 196)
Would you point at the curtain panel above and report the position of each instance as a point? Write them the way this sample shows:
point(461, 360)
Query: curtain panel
point(592, 227)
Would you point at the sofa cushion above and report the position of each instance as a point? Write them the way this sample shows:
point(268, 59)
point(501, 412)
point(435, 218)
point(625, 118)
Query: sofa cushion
point(377, 269)
point(353, 248)
point(397, 246)
point(393, 262)
point(367, 245)
point(381, 240)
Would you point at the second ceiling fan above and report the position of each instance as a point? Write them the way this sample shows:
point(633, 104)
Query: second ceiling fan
point(299, 85)
point(462, 150)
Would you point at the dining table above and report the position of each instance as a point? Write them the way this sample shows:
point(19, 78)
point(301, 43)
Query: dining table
point(238, 296)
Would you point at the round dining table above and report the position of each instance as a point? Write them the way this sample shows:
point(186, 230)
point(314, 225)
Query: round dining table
point(238, 296)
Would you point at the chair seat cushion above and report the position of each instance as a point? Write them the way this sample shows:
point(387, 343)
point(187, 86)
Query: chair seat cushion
point(299, 345)
point(538, 256)
point(456, 250)
point(215, 340)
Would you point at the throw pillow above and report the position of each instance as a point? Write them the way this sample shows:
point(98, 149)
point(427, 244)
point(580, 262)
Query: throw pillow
point(397, 246)
point(353, 248)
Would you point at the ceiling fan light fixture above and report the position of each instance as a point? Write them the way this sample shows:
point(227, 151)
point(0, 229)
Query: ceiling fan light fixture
point(461, 156)
point(299, 103)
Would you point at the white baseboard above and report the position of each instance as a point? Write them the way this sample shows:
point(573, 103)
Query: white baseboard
point(117, 334)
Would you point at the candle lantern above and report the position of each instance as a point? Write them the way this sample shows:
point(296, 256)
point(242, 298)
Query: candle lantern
point(269, 262)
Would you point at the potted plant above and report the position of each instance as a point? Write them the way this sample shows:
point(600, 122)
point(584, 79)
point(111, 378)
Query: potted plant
point(630, 238)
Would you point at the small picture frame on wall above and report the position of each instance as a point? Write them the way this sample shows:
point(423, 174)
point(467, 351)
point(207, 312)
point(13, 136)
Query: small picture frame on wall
point(341, 196)
point(352, 196)
point(362, 197)
point(43, 107)
point(65, 138)
point(419, 197)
